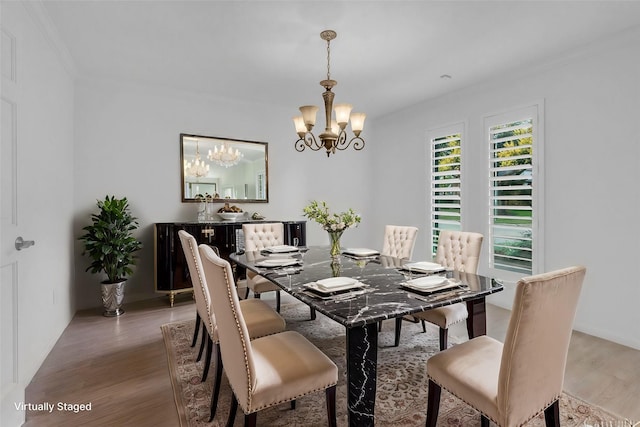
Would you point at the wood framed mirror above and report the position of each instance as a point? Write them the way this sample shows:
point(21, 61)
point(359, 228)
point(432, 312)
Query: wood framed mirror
point(224, 169)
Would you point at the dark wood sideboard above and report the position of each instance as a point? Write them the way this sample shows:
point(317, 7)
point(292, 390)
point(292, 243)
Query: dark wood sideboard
point(171, 275)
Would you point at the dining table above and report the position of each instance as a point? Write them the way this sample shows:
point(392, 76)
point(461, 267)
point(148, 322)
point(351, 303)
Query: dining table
point(381, 289)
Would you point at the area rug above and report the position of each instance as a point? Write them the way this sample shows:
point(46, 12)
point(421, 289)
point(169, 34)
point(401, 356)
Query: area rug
point(401, 398)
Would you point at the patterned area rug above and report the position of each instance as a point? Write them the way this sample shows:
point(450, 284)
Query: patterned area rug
point(401, 398)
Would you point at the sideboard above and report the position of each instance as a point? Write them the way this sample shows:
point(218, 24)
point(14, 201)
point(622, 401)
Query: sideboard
point(171, 275)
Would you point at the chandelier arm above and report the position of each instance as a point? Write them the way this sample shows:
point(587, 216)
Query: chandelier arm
point(342, 144)
point(309, 140)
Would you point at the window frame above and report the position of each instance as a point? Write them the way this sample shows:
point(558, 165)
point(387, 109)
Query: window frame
point(536, 113)
point(434, 134)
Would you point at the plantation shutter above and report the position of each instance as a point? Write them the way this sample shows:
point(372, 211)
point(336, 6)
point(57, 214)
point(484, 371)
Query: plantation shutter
point(511, 182)
point(445, 185)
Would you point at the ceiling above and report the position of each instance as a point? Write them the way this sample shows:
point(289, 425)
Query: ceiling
point(388, 54)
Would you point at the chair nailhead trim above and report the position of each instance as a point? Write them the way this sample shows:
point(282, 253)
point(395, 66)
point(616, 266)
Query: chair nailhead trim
point(244, 346)
point(201, 281)
point(494, 421)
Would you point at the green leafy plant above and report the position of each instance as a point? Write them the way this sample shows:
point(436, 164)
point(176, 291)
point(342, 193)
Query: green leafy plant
point(109, 240)
point(319, 212)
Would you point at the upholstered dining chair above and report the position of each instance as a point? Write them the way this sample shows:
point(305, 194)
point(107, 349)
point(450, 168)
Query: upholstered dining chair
point(398, 242)
point(257, 237)
point(513, 382)
point(457, 250)
point(266, 371)
point(260, 318)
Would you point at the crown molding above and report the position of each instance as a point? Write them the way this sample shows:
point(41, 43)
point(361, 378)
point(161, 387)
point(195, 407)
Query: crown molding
point(40, 16)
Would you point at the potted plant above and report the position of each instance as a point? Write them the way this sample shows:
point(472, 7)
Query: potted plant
point(110, 244)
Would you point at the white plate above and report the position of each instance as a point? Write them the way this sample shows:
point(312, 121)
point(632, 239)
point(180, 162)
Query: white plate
point(360, 252)
point(276, 262)
point(314, 286)
point(423, 266)
point(335, 282)
point(280, 249)
point(427, 283)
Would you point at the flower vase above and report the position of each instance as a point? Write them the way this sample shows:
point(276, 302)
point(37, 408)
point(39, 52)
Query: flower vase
point(334, 239)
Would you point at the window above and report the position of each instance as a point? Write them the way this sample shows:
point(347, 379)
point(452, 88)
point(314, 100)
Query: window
point(445, 176)
point(514, 191)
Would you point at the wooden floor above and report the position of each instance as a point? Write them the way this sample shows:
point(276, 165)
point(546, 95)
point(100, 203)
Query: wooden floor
point(119, 365)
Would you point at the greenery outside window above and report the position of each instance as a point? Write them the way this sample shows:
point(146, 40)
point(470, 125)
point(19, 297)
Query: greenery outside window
point(445, 147)
point(515, 183)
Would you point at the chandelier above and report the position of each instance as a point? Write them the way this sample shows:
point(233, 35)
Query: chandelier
point(225, 156)
point(334, 135)
point(198, 168)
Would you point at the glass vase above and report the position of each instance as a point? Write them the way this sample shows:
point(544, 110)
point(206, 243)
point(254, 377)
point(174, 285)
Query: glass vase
point(334, 239)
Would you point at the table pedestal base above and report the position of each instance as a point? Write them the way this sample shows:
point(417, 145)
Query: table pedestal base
point(362, 359)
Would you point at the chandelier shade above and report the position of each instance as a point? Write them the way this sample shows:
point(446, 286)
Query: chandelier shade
point(198, 168)
point(225, 156)
point(334, 136)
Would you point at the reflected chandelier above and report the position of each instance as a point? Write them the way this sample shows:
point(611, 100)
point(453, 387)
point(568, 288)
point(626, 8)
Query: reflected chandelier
point(198, 168)
point(334, 135)
point(225, 156)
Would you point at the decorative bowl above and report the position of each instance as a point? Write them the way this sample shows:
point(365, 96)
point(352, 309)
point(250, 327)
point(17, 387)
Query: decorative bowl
point(230, 216)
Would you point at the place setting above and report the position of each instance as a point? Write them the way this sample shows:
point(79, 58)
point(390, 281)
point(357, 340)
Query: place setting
point(433, 288)
point(336, 288)
point(424, 267)
point(360, 253)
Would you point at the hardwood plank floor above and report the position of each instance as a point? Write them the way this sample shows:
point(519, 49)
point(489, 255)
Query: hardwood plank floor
point(119, 365)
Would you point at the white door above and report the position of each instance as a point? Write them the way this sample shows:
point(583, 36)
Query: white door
point(11, 391)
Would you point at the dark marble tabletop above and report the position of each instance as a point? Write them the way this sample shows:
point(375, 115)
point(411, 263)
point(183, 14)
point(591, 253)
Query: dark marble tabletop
point(382, 298)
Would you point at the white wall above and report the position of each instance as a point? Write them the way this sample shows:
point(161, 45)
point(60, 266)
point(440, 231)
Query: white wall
point(127, 144)
point(592, 163)
point(44, 99)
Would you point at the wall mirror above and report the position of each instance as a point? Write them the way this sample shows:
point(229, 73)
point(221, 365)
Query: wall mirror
point(228, 170)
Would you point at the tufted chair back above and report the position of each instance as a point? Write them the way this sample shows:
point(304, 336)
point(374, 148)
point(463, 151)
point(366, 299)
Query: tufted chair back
point(198, 281)
point(459, 250)
point(234, 337)
point(399, 241)
point(262, 235)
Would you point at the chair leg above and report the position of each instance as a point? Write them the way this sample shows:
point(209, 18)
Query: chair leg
point(278, 301)
point(196, 330)
point(293, 405)
point(232, 410)
point(433, 404)
point(444, 333)
point(250, 420)
point(398, 331)
point(216, 386)
point(424, 327)
point(207, 360)
point(484, 421)
point(552, 415)
point(380, 326)
point(205, 334)
point(312, 313)
point(246, 293)
point(331, 406)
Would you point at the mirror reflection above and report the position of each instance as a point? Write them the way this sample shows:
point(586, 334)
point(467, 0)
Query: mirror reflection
point(226, 170)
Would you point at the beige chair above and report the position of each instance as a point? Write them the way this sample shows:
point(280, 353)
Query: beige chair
point(261, 319)
point(513, 382)
point(460, 251)
point(257, 237)
point(399, 241)
point(266, 371)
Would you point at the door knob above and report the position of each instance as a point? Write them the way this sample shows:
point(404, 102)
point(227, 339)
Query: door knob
point(23, 244)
